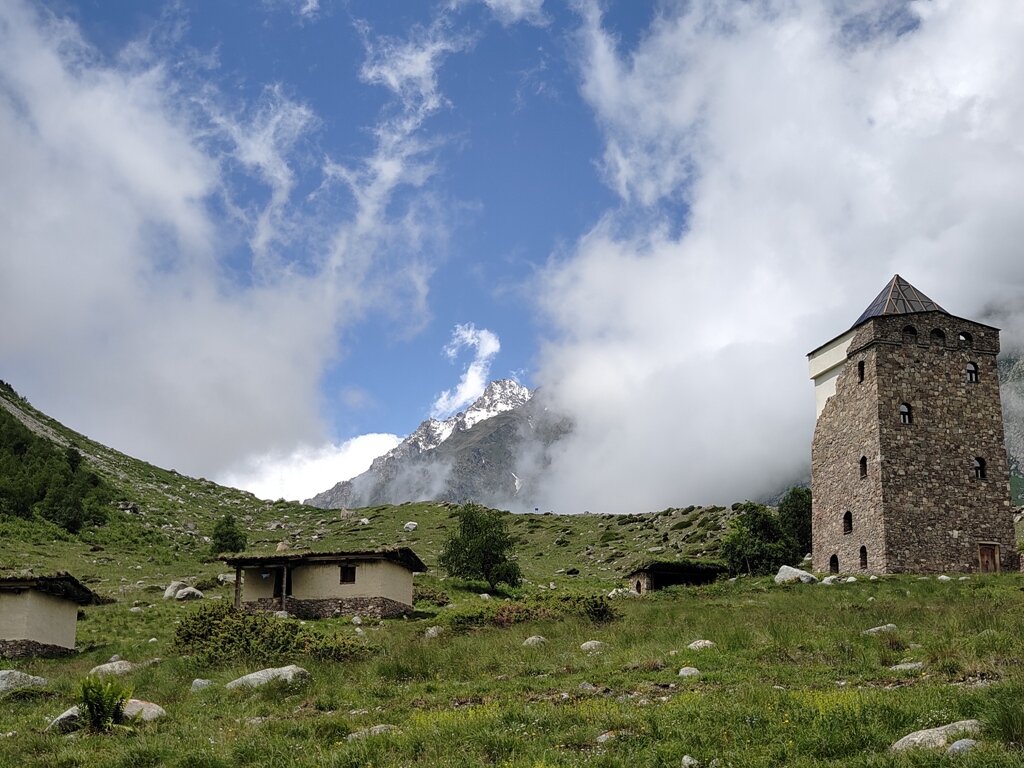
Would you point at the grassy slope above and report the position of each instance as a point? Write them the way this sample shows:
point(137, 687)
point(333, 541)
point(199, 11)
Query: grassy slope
point(792, 681)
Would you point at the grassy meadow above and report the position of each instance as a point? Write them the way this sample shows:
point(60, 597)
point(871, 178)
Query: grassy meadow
point(791, 681)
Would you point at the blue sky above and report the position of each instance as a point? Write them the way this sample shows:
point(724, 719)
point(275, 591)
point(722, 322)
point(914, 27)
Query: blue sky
point(239, 237)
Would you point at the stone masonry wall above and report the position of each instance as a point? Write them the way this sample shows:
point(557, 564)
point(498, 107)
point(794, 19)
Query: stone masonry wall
point(21, 649)
point(920, 508)
point(378, 607)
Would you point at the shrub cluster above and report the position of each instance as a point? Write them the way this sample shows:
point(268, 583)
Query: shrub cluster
point(424, 594)
point(37, 478)
point(102, 703)
point(220, 633)
point(546, 607)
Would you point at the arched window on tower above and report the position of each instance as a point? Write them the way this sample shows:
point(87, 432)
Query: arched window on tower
point(971, 371)
point(833, 564)
point(863, 466)
point(863, 558)
point(909, 334)
point(965, 339)
point(979, 468)
point(938, 336)
point(860, 371)
point(847, 522)
point(906, 414)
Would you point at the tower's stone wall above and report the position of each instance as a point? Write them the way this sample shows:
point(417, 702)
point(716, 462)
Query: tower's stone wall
point(920, 506)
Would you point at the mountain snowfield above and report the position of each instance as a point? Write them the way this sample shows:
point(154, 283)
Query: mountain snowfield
point(499, 396)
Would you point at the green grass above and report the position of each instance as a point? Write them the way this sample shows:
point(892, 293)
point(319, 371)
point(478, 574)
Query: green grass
point(792, 681)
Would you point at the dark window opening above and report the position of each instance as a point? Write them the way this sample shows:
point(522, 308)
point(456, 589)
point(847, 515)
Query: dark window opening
point(910, 334)
point(965, 339)
point(979, 468)
point(348, 574)
point(863, 466)
point(938, 336)
point(279, 580)
point(639, 588)
point(971, 370)
point(863, 558)
point(906, 414)
point(833, 564)
point(847, 522)
point(860, 371)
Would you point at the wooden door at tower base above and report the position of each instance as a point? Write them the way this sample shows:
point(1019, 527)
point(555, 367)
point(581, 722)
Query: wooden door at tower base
point(988, 558)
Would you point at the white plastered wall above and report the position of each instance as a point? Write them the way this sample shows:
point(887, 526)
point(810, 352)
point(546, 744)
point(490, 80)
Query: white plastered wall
point(375, 578)
point(255, 586)
point(32, 615)
point(825, 365)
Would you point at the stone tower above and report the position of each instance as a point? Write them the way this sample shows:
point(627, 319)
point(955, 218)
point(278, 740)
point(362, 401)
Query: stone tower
point(908, 466)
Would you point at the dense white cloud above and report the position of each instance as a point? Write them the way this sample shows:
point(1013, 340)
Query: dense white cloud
point(776, 162)
point(186, 304)
point(485, 346)
point(307, 470)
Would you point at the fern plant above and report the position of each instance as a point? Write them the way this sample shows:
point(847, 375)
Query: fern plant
point(103, 702)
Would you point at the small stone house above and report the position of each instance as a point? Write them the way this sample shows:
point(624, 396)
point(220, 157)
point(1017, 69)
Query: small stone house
point(314, 585)
point(39, 614)
point(660, 574)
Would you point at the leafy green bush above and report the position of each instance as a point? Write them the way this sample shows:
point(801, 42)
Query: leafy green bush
point(227, 536)
point(220, 633)
point(432, 595)
point(795, 516)
point(757, 543)
point(546, 607)
point(102, 703)
point(482, 548)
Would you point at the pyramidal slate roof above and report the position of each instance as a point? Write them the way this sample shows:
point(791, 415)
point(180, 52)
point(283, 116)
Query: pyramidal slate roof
point(898, 298)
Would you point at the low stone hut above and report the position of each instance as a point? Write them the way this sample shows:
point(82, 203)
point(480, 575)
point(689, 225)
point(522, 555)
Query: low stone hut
point(661, 573)
point(39, 614)
point(314, 585)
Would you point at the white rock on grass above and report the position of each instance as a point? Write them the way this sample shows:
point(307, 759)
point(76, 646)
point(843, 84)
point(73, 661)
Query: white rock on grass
point(960, 746)
point(689, 672)
point(173, 589)
point(943, 577)
point(226, 578)
point(690, 762)
point(289, 674)
point(67, 721)
point(137, 709)
point(828, 581)
point(593, 646)
point(119, 667)
point(12, 680)
point(850, 579)
point(188, 593)
point(931, 738)
point(872, 577)
point(357, 620)
point(700, 645)
point(880, 630)
point(364, 521)
point(375, 730)
point(909, 666)
point(411, 526)
point(788, 574)
point(534, 641)
point(199, 684)
point(135, 609)
point(433, 632)
point(484, 596)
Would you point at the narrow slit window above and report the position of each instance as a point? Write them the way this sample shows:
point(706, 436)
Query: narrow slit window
point(860, 371)
point(348, 574)
point(863, 466)
point(833, 564)
point(906, 414)
point(971, 369)
point(847, 522)
point(863, 558)
point(979, 468)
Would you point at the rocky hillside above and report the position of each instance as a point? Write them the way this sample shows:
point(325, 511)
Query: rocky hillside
point(490, 453)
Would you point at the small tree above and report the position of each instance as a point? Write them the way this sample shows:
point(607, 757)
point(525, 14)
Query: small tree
point(757, 543)
point(795, 516)
point(227, 536)
point(481, 549)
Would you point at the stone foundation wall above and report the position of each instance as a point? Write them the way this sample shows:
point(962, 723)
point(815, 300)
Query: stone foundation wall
point(20, 649)
point(374, 607)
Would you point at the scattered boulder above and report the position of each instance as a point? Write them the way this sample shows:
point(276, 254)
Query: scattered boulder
point(374, 730)
point(411, 526)
point(690, 762)
point(909, 666)
point(199, 684)
point(116, 667)
point(593, 646)
point(226, 578)
point(936, 737)
point(484, 596)
point(872, 577)
point(960, 746)
point(534, 641)
point(188, 593)
point(357, 620)
point(433, 632)
point(364, 521)
point(173, 589)
point(689, 672)
point(943, 577)
point(282, 546)
point(828, 581)
point(135, 609)
point(289, 674)
point(607, 736)
point(700, 645)
point(67, 721)
point(572, 572)
point(880, 630)
point(788, 574)
point(137, 709)
point(623, 592)
point(12, 680)
point(850, 579)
